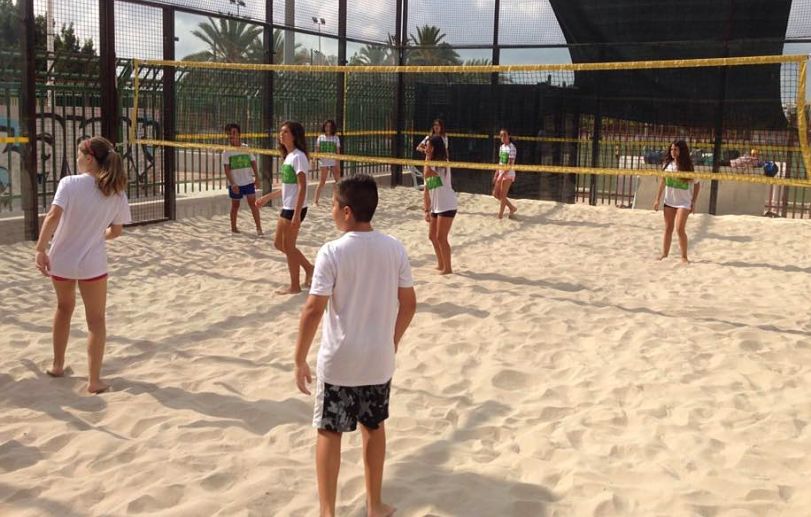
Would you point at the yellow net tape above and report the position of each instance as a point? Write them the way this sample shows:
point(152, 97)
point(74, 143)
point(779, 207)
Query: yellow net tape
point(14, 140)
point(757, 179)
point(136, 84)
point(661, 143)
point(486, 69)
point(802, 122)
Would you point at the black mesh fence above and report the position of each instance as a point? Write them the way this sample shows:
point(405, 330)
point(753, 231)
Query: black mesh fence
point(555, 117)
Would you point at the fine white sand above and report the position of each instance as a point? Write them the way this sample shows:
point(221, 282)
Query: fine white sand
point(561, 371)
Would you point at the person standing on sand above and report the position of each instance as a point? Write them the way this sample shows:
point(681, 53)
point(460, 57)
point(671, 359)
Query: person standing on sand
point(88, 209)
point(680, 197)
point(363, 281)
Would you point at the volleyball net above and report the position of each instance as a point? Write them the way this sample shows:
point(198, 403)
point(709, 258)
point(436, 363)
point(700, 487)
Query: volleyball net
point(744, 118)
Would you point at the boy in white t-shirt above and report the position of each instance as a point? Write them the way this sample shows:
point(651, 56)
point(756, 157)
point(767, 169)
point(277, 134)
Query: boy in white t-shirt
point(240, 169)
point(363, 279)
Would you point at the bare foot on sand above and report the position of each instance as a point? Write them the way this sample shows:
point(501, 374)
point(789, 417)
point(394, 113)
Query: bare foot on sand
point(684, 260)
point(662, 257)
point(235, 230)
point(512, 213)
point(383, 510)
point(289, 290)
point(445, 271)
point(97, 387)
point(55, 371)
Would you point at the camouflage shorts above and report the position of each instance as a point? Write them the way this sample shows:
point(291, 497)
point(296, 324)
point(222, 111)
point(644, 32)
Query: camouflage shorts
point(340, 408)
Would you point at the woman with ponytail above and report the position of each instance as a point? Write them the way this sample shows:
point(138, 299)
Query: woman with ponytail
point(87, 209)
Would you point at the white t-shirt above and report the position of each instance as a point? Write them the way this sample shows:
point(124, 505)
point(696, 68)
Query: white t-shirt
point(678, 192)
point(506, 153)
point(440, 191)
point(77, 250)
point(295, 163)
point(240, 163)
point(328, 144)
point(361, 273)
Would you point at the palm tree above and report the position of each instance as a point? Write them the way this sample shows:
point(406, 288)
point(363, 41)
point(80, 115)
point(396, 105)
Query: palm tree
point(230, 41)
point(373, 55)
point(431, 50)
point(278, 50)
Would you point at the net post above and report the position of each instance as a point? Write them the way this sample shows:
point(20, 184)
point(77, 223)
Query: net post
point(719, 129)
point(595, 152)
point(802, 120)
point(169, 196)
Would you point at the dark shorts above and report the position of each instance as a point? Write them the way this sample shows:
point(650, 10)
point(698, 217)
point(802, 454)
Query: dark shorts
point(447, 213)
point(340, 408)
point(288, 214)
point(244, 190)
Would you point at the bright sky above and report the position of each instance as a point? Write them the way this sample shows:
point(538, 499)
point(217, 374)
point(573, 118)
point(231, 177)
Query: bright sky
point(464, 22)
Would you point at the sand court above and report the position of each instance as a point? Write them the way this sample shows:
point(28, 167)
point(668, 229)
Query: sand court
point(561, 371)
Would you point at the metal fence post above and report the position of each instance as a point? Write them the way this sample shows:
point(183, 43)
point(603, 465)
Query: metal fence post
point(109, 104)
point(169, 169)
point(340, 112)
point(267, 98)
point(401, 35)
point(28, 114)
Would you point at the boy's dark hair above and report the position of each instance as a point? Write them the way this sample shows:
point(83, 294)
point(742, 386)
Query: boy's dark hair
point(324, 127)
point(233, 125)
point(359, 193)
point(438, 143)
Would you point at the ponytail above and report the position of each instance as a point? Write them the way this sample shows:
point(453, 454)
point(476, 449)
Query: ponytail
point(111, 177)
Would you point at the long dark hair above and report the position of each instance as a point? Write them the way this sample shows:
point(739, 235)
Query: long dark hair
point(438, 143)
point(684, 163)
point(324, 127)
point(441, 125)
point(299, 140)
point(111, 178)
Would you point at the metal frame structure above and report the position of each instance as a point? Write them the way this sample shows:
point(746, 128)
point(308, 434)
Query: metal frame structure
point(111, 101)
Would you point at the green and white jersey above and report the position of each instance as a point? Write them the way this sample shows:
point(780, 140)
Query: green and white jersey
point(678, 191)
point(240, 163)
point(295, 163)
point(506, 153)
point(328, 144)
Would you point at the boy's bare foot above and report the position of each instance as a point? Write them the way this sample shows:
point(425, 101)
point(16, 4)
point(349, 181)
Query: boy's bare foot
point(383, 510)
point(315, 202)
point(259, 232)
point(438, 268)
point(445, 271)
point(662, 257)
point(684, 260)
point(501, 216)
point(289, 290)
point(512, 212)
point(308, 277)
point(234, 230)
point(97, 387)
